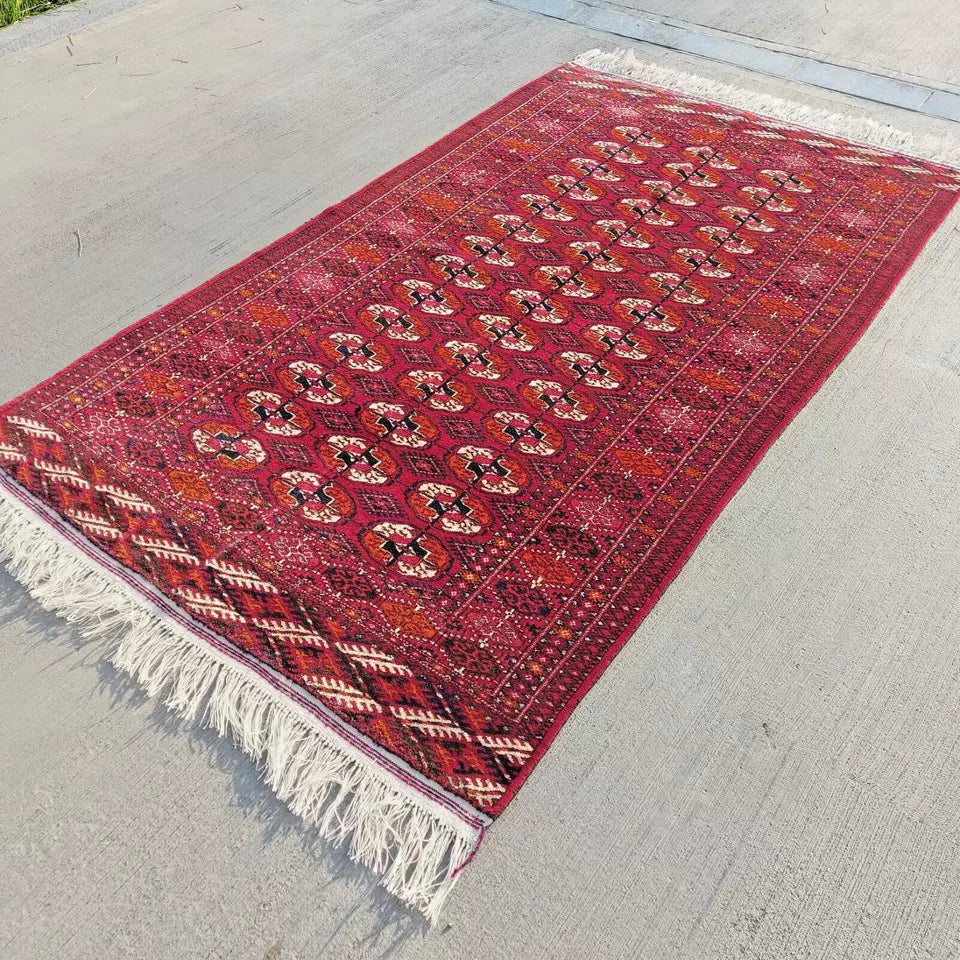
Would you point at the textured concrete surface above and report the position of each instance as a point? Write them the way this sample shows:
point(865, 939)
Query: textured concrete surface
point(767, 771)
point(932, 97)
point(916, 38)
point(62, 21)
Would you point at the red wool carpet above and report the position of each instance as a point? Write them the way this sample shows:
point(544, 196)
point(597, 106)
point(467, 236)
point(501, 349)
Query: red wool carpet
point(384, 500)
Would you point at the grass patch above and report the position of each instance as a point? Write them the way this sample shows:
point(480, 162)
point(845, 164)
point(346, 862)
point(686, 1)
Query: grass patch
point(13, 10)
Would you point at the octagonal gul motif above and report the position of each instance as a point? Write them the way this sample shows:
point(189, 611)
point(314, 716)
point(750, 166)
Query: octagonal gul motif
point(412, 552)
point(401, 424)
point(393, 322)
point(492, 472)
point(314, 382)
point(312, 495)
point(228, 445)
point(453, 510)
point(437, 389)
point(273, 413)
point(524, 433)
point(551, 396)
point(357, 459)
point(472, 359)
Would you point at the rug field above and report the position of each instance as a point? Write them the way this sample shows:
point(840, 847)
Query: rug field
point(384, 500)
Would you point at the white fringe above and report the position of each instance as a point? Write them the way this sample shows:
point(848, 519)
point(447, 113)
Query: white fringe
point(625, 63)
point(414, 848)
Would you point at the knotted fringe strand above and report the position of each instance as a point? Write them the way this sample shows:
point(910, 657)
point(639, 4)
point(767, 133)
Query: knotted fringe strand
point(625, 63)
point(415, 852)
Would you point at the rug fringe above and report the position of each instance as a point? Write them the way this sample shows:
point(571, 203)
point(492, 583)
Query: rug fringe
point(414, 849)
point(868, 132)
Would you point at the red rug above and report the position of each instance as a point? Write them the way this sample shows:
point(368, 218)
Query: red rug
point(384, 500)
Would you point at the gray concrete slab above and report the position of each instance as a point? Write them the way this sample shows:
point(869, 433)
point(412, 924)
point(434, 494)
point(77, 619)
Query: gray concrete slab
point(751, 54)
point(58, 22)
point(907, 38)
point(768, 770)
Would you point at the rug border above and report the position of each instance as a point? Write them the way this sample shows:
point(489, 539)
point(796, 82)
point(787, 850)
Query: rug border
point(300, 749)
point(313, 710)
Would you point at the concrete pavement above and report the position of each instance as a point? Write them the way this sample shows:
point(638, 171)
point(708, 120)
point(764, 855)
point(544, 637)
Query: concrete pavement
point(767, 771)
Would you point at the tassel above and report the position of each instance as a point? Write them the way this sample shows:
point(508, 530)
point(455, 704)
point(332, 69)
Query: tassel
point(413, 844)
point(863, 130)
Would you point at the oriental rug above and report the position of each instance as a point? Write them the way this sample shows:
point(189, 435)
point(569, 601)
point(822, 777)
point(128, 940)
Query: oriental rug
point(384, 500)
